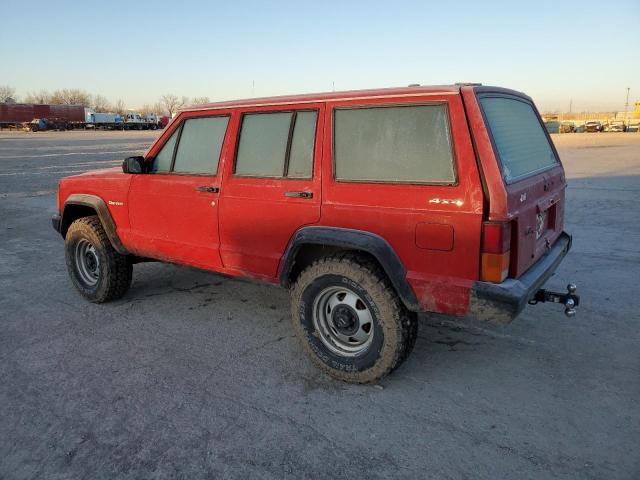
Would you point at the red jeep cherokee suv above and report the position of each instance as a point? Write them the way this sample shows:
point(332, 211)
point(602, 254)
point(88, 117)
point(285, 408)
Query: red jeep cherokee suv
point(371, 206)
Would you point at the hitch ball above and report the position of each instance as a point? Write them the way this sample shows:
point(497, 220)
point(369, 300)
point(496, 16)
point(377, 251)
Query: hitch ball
point(570, 312)
point(571, 288)
point(570, 303)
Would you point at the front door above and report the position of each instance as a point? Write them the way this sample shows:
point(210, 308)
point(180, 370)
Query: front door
point(173, 209)
point(272, 188)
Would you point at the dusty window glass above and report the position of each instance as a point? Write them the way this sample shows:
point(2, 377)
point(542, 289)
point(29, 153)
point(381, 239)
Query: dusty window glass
point(394, 144)
point(519, 138)
point(301, 153)
point(162, 162)
point(200, 145)
point(263, 144)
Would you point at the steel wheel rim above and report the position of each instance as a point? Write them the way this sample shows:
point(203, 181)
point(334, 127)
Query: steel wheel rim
point(343, 321)
point(87, 262)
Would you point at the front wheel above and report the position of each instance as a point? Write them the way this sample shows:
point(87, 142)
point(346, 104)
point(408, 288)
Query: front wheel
point(349, 319)
point(98, 272)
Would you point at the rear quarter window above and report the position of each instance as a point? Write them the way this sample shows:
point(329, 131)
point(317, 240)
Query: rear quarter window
point(518, 136)
point(404, 144)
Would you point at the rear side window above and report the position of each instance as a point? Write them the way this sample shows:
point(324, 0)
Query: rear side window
point(302, 142)
point(407, 144)
point(263, 144)
point(518, 136)
point(200, 145)
point(278, 144)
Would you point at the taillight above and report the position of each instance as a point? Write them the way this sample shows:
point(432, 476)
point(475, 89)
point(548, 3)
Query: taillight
point(496, 245)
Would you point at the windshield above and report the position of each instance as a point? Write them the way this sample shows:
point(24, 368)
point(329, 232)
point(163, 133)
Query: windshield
point(519, 139)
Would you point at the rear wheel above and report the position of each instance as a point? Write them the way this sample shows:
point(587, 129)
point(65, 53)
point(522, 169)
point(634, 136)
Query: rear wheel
point(98, 272)
point(349, 319)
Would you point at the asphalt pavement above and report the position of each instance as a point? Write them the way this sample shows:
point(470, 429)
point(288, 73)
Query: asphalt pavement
point(193, 375)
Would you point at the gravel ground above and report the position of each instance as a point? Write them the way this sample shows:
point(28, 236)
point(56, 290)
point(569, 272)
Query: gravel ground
point(192, 375)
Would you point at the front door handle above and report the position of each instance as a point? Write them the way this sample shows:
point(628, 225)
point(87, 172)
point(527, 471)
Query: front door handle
point(205, 188)
point(299, 194)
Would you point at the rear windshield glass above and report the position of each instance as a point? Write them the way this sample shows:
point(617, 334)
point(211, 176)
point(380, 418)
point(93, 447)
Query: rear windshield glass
point(518, 136)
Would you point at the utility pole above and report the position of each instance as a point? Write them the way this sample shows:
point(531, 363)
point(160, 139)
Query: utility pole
point(253, 88)
point(570, 105)
point(626, 106)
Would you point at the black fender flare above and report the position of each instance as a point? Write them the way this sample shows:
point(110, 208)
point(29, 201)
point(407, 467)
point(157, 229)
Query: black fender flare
point(351, 239)
point(100, 207)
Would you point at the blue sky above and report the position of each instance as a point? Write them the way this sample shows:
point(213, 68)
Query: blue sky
point(555, 51)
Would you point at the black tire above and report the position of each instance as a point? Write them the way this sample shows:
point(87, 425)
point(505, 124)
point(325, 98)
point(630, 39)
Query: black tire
point(393, 328)
point(87, 246)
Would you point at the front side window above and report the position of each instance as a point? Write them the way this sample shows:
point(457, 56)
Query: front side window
point(199, 142)
point(278, 144)
point(200, 145)
point(519, 138)
point(162, 162)
point(404, 144)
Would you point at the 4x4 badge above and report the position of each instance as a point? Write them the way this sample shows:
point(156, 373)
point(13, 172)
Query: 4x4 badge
point(447, 201)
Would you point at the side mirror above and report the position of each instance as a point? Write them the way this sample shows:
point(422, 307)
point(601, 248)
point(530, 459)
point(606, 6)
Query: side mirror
point(133, 165)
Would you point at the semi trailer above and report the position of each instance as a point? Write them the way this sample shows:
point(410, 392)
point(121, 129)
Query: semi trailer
point(21, 115)
point(38, 117)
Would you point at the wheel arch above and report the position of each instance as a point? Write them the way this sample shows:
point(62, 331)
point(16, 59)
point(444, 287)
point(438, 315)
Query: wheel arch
point(83, 205)
point(310, 243)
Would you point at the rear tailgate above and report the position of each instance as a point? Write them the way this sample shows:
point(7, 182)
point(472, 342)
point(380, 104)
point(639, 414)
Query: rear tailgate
point(524, 178)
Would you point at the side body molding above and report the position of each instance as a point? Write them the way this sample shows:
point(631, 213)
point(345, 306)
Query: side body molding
point(97, 204)
point(350, 239)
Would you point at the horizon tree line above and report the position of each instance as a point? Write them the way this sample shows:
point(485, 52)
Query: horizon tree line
point(168, 104)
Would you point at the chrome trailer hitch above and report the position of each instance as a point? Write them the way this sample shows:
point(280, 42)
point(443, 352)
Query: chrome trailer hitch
point(570, 300)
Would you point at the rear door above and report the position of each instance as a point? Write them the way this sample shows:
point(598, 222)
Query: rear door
point(272, 188)
point(531, 172)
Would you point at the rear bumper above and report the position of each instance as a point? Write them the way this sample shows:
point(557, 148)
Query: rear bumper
point(502, 302)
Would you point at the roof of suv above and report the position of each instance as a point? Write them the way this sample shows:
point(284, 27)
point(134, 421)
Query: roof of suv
point(321, 97)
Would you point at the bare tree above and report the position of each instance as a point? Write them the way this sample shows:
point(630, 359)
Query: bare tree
point(200, 100)
point(38, 97)
point(72, 96)
point(159, 108)
point(120, 108)
point(7, 94)
point(100, 103)
point(172, 103)
point(146, 109)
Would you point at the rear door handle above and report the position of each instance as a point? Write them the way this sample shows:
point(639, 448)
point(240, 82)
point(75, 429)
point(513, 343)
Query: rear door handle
point(205, 188)
point(299, 194)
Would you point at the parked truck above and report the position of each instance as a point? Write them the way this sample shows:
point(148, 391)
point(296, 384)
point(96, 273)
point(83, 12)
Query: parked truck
point(107, 121)
point(137, 121)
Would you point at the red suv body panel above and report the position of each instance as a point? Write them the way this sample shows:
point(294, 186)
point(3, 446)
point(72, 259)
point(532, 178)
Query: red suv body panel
point(433, 228)
point(248, 226)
